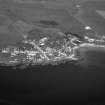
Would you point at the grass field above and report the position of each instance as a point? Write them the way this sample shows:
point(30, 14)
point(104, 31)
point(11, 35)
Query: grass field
point(102, 13)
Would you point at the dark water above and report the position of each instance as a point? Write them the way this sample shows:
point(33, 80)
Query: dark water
point(62, 84)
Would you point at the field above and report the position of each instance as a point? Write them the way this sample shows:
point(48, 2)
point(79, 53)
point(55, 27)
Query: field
point(102, 13)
